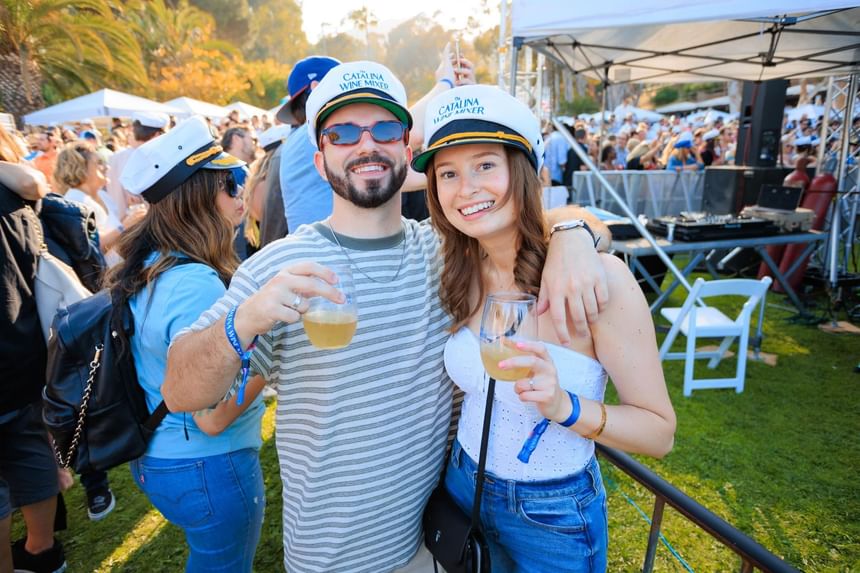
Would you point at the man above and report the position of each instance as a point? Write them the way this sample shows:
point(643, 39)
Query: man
point(555, 156)
point(574, 163)
point(362, 430)
point(240, 142)
point(306, 195)
point(145, 126)
point(46, 161)
point(28, 471)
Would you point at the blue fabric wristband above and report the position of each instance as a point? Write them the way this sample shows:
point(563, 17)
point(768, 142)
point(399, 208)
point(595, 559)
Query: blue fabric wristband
point(574, 415)
point(244, 356)
point(447, 81)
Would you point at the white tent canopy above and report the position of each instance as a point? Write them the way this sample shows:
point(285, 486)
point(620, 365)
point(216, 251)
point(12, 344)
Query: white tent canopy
point(103, 103)
point(191, 106)
point(245, 110)
point(677, 41)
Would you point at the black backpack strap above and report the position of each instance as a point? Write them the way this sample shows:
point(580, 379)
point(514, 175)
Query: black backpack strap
point(156, 417)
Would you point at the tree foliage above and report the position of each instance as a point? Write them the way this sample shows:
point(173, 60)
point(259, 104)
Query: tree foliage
point(213, 50)
point(72, 46)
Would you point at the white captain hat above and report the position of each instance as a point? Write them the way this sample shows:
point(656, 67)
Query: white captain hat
point(162, 164)
point(479, 114)
point(153, 119)
point(274, 136)
point(356, 82)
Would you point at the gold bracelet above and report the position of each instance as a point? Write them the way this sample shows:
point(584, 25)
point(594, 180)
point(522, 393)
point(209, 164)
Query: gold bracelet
point(596, 433)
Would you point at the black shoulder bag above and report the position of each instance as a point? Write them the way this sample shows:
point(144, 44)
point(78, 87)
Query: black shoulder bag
point(454, 538)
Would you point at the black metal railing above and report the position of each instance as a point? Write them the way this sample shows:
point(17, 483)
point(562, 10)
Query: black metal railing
point(752, 555)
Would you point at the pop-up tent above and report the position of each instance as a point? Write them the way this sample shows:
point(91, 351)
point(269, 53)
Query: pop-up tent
point(103, 103)
point(191, 106)
point(245, 110)
point(692, 40)
point(659, 41)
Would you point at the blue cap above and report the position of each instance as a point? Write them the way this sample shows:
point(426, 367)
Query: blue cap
point(310, 69)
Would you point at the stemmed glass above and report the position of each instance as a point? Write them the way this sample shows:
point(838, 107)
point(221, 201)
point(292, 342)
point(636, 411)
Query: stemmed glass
point(508, 318)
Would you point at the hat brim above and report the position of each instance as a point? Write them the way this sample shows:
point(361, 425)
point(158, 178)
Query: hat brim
point(420, 161)
point(223, 161)
point(364, 96)
point(285, 114)
point(471, 131)
point(684, 145)
point(209, 156)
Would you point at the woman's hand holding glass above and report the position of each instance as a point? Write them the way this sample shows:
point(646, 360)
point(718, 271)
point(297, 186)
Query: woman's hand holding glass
point(541, 388)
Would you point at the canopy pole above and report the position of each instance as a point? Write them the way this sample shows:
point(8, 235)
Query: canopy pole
point(603, 111)
point(516, 42)
point(825, 125)
point(623, 204)
point(836, 219)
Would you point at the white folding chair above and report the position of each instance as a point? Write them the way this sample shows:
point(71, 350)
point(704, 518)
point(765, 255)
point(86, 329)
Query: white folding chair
point(694, 321)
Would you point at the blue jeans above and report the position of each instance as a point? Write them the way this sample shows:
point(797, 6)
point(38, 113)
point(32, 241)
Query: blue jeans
point(218, 502)
point(536, 527)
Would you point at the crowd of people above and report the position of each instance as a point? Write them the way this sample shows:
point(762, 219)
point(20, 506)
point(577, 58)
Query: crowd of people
point(218, 237)
point(672, 143)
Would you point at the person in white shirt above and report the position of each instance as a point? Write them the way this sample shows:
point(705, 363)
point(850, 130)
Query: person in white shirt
point(81, 174)
point(145, 126)
point(543, 509)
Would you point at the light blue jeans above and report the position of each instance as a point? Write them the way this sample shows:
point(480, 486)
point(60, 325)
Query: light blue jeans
point(536, 527)
point(218, 502)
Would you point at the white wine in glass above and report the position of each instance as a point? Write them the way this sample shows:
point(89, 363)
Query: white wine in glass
point(330, 325)
point(508, 318)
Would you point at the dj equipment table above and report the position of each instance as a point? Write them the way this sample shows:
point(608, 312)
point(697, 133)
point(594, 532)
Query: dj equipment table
point(705, 251)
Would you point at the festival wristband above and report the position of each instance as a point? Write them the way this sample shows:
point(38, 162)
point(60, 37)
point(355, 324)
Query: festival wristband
point(574, 415)
point(244, 356)
point(532, 441)
point(447, 81)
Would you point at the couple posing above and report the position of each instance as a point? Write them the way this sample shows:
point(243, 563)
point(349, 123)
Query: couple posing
point(361, 431)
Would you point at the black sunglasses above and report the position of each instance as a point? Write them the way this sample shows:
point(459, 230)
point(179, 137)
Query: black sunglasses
point(232, 188)
point(350, 133)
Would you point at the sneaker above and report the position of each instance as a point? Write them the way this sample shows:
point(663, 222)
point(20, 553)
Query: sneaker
point(51, 560)
point(100, 502)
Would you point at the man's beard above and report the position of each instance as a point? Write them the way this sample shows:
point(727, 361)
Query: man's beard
point(377, 191)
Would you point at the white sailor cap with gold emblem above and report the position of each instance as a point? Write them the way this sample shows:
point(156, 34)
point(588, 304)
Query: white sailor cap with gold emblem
point(162, 164)
point(479, 114)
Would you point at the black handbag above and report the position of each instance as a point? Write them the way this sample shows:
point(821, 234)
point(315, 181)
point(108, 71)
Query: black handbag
point(453, 538)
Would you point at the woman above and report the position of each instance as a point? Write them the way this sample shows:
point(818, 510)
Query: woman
point(607, 158)
point(81, 174)
point(485, 198)
point(684, 155)
point(201, 472)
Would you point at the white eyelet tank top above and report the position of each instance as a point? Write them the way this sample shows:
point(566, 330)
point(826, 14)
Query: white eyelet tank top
point(561, 452)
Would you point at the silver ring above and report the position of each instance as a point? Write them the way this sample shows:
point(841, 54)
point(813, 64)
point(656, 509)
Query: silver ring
point(531, 383)
point(296, 302)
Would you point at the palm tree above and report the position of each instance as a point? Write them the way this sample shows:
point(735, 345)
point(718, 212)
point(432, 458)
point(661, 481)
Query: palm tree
point(167, 32)
point(69, 47)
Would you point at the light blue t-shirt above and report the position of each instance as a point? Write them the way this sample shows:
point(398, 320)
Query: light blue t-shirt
point(177, 299)
point(674, 162)
point(307, 196)
point(555, 155)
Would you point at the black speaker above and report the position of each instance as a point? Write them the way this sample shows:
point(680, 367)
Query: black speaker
point(760, 125)
point(730, 188)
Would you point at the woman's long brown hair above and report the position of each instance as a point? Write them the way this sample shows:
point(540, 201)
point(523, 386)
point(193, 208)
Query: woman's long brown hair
point(462, 254)
point(186, 222)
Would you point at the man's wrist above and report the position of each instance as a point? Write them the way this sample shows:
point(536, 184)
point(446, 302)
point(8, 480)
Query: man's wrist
point(574, 224)
point(244, 331)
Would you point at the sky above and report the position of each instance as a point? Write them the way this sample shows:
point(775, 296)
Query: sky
point(327, 15)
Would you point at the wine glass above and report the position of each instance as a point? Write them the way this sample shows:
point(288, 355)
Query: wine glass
point(329, 324)
point(508, 317)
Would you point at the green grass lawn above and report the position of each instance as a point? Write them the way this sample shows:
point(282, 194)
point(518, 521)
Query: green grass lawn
point(779, 461)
